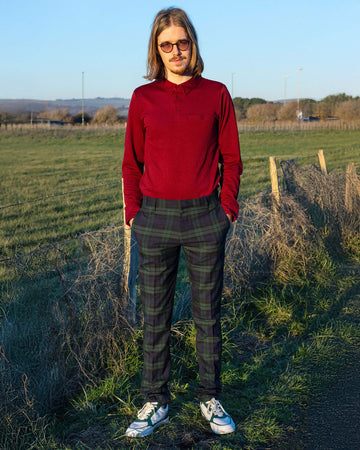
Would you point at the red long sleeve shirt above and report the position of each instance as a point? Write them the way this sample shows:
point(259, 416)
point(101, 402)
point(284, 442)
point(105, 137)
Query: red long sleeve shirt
point(176, 135)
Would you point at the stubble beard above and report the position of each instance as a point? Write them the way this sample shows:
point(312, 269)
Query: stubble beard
point(182, 70)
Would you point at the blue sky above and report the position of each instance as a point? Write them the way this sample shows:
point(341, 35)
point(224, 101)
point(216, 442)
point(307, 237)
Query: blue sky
point(251, 46)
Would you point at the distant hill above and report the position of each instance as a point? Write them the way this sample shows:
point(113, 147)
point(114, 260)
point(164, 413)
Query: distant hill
point(74, 105)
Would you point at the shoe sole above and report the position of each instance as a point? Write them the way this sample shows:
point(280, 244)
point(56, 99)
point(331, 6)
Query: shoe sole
point(139, 434)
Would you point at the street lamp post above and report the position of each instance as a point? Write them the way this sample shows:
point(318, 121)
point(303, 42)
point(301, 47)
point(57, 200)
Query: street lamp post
point(82, 103)
point(298, 99)
point(232, 84)
point(285, 81)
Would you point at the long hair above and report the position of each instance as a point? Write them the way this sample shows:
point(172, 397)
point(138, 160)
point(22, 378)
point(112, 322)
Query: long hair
point(164, 19)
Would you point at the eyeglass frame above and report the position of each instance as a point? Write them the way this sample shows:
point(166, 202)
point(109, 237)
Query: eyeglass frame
point(177, 45)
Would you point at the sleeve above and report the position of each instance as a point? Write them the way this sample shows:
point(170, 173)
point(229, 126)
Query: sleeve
point(230, 157)
point(133, 162)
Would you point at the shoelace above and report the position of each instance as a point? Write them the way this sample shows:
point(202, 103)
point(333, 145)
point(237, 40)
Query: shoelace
point(215, 406)
point(146, 410)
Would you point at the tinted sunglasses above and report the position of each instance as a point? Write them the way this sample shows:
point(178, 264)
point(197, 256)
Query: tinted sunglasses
point(182, 45)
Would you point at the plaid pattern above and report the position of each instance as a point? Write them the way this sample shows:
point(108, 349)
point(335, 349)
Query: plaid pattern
point(161, 227)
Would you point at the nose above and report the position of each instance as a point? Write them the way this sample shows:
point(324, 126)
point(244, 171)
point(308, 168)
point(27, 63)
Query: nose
point(176, 50)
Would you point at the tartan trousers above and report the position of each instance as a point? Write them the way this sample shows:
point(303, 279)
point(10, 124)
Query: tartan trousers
point(161, 228)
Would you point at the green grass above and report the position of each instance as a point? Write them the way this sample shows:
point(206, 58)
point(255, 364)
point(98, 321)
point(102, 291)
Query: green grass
point(43, 163)
point(70, 371)
point(47, 163)
point(340, 148)
point(267, 374)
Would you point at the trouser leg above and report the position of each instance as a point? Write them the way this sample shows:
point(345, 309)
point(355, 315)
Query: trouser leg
point(204, 253)
point(200, 226)
point(158, 263)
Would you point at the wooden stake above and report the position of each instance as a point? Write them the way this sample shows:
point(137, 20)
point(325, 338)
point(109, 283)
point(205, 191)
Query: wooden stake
point(352, 188)
point(127, 242)
point(274, 179)
point(130, 265)
point(322, 162)
point(275, 192)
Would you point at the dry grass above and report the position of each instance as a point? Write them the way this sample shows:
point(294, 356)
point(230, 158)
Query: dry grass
point(331, 200)
point(91, 315)
point(50, 347)
point(245, 126)
point(267, 243)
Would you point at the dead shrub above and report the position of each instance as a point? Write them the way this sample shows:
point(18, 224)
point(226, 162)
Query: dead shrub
point(92, 316)
point(267, 243)
point(63, 330)
point(326, 199)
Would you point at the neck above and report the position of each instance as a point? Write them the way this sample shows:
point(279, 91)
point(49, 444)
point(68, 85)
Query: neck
point(177, 78)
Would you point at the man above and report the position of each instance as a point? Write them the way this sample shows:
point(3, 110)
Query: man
point(180, 127)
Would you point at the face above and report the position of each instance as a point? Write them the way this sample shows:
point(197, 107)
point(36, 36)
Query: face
point(176, 62)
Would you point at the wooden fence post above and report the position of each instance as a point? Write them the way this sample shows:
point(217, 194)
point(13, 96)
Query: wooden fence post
point(322, 162)
point(274, 179)
point(275, 192)
point(130, 265)
point(352, 188)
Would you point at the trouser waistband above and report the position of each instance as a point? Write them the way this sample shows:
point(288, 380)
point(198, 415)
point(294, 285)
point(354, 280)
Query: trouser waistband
point(160, 203)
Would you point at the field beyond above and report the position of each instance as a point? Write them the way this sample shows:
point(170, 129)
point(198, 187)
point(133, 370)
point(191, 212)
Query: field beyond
point(56, 184)
point(70, 361)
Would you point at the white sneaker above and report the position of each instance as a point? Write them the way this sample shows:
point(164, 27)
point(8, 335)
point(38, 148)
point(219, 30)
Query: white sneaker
point(220, 421)
point(150, 416)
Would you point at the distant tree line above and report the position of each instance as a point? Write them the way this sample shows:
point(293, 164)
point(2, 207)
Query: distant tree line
point(339, 106)
point(109, 115)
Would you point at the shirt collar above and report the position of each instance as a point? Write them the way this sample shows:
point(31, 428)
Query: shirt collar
point(185, 87)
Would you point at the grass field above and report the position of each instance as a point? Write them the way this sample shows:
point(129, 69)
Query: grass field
point(70, 366)
point(48, 163)
point(86, 164)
